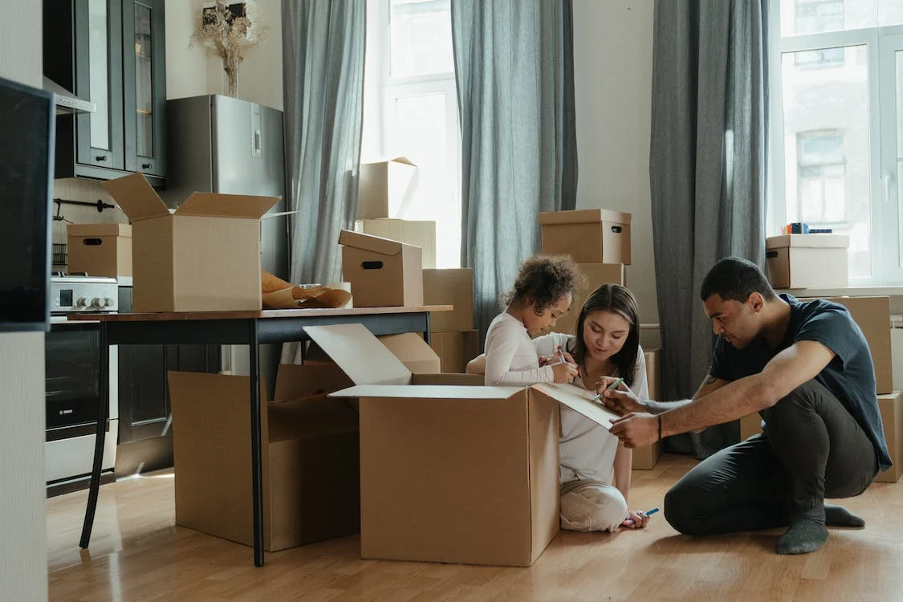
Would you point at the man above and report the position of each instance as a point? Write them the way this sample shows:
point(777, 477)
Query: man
point(806, 368)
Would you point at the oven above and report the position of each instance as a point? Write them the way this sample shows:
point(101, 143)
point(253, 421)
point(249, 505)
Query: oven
point(72, 357)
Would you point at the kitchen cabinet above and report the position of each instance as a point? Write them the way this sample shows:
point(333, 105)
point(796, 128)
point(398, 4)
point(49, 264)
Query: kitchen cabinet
point(111, 52)
point(145, 418)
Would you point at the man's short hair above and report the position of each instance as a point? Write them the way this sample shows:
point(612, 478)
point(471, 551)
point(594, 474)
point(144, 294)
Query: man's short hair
point(735, 278)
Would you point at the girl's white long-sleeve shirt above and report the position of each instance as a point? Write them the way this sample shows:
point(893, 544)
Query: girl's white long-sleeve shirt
point(511, 357)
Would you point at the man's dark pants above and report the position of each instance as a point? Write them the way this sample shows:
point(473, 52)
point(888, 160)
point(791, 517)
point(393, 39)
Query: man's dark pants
point(812, 449)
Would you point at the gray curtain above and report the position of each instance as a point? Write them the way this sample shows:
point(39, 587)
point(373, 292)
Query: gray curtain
point(323, 82)
point(323, 64)
point(513, 66)
point(707, 175)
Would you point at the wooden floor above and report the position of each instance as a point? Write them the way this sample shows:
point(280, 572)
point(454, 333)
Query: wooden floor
point(138, 554)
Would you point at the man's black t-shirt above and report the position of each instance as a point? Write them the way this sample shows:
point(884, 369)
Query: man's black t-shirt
point(849, 376)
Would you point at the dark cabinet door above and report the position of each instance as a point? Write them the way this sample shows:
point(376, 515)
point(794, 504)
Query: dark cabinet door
point(111, 52)
point(98, 77)
point(145, 415)
point(144, 81)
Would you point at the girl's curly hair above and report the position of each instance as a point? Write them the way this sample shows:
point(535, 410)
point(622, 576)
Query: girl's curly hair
point(544, 279)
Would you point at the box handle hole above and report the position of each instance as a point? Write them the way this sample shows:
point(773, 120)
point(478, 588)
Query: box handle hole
point(372, 265)
point(92, 242)
point(616, 229)
point(771, 254)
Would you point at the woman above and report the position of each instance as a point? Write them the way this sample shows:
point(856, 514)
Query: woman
point(595, 469)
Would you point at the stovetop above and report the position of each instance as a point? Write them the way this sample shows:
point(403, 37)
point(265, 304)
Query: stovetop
point(74, 293)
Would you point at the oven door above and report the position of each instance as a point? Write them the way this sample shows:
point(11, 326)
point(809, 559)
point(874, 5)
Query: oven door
point(72, 375)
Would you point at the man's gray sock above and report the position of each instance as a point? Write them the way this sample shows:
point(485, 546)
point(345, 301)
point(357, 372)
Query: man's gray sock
point(806, 534)
point(839, 516)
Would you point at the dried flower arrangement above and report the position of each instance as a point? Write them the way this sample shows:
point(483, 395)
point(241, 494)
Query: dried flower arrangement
point(228, 31)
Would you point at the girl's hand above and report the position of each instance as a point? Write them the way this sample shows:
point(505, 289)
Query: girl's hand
point(635, 520)
point(622, 401)
point(564, 373)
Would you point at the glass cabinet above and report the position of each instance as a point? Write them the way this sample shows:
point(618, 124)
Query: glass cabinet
point(111, 52)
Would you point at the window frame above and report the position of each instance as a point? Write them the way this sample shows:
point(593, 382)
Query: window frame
point(393, 88)
point(885, 211)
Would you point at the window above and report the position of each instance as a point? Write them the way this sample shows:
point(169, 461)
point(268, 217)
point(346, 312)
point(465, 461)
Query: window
point(820, 178)
point(835, 138)
point(411, 110)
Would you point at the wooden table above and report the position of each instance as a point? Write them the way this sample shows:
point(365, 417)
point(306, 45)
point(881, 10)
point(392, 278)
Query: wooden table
point(250, 328)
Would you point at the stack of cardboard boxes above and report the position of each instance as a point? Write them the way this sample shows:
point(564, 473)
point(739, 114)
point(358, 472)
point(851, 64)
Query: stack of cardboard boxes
point(872, 315)
point(452, 334)
point(384, 257)
point(384, 190)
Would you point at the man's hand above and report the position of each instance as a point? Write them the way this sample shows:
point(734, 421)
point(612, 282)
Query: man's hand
point(636, 430)
point(622, 401)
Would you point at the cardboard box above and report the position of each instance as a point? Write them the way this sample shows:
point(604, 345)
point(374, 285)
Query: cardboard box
point(450, 287)
point(309, 449)
point(645, 458)
point(751, 425)
point(415, 233)
point(890, 410)
point(99, 249)
point(807, 260)
point(465, 474)
point(588, 235)
point(455, 349)
point(385, 187)
point(873, 316)
point(597, 274)
point(382, 272)
point(206, 256)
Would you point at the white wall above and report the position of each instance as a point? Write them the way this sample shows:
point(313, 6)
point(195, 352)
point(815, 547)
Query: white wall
point(23, 557)
point(190, 72)
point(613, 53)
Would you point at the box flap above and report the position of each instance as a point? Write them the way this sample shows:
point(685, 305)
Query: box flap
point(807, 240)
point(295, 381)
point(89, 230)
point(369, 242)
point(429, 392)
point(548, 218)
point(136, 197)
point(227, 205)
point(413, 351)
point(578, 399)
point(360, 354)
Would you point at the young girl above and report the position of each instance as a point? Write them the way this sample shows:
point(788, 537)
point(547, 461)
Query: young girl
point(543, 291)
point(595, 469)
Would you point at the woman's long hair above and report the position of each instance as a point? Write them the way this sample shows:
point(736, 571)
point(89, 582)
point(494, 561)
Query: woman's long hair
point(618, 299)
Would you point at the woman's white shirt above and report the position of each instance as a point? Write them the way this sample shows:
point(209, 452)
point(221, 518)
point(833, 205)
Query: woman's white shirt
point(586, 449)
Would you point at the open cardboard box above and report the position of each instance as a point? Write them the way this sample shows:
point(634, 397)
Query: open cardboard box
point(205, 256)
point(463, 474)
point(309, 456)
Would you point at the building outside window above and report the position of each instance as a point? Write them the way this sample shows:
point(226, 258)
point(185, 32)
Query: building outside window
point(835, 137)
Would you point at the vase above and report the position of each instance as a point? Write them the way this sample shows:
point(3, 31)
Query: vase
point(231, 67)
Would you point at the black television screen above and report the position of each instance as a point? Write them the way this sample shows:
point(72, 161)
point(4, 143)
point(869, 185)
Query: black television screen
point(26, 178)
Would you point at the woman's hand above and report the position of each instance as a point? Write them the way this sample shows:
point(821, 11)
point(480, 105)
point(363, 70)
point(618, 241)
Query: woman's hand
point(622, 401)
point(564, 372)
point(636, 520)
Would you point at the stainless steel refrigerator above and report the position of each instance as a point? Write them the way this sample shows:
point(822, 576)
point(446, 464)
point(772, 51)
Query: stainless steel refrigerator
point(223, 144)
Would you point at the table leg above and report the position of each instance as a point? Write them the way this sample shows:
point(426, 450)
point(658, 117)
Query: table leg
point(102, 415)
point(254, 369)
